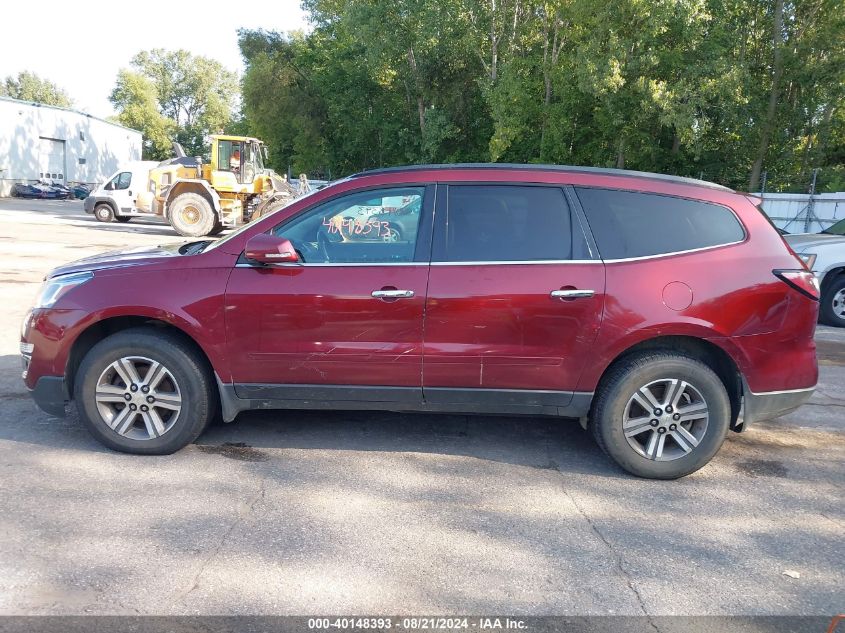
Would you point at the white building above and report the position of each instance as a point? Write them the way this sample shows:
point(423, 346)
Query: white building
point(41, 141)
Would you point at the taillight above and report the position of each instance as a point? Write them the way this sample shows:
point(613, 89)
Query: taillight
point(803, 281)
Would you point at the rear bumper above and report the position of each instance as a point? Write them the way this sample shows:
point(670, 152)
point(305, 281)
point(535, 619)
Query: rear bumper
point(771, 404)
point(50, 395)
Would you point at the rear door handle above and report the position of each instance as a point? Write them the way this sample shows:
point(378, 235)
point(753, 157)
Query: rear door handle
point(393, 294)
point(571, 294)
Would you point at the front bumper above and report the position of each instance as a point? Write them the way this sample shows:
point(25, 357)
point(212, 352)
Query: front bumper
point(50, 394)
point(758, 407)
point(89, 203)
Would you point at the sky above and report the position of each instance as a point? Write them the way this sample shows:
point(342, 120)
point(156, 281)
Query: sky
point(80, 46)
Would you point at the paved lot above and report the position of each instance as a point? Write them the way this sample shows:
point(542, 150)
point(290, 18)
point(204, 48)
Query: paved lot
point(314, 513)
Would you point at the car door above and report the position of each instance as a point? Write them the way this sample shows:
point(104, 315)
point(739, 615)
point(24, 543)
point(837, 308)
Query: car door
point(123, 193)
point(346, 323)
point(515, 299)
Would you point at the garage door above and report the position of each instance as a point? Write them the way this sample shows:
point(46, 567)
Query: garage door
point(51, 162)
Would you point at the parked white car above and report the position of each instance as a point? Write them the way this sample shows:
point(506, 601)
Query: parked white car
point(824, 254)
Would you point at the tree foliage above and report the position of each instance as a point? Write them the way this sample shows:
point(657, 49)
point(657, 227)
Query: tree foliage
point(174, 95)
point(723, 89)
point(28, 86)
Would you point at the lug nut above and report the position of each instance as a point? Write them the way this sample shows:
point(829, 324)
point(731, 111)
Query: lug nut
point(653, 422)
point(145, 389)
point(669, 409)
point(127, 397)
point(133, 407)
point(672, 427)
point(144, 408)
point(133, 388)
point(661, 430)
point(658, 412)
point(150, 399)
point(676, 417)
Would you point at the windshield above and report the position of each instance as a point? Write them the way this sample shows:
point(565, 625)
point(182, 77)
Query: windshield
point(836, 229)
point(241, 229)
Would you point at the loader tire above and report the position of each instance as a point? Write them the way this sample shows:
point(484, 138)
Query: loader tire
point(191, 215)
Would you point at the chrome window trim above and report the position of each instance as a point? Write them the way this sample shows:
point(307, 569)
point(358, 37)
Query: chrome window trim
point(327, 264)
point(659, 255)
point(531, 262)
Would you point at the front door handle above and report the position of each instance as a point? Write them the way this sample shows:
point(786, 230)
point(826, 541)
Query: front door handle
point(393, 294)
point(571, 294)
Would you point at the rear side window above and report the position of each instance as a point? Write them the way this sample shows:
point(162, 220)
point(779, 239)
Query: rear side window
point(631, 224)
point(492, 223)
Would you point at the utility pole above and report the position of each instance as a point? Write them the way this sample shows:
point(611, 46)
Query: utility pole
point(811, 216)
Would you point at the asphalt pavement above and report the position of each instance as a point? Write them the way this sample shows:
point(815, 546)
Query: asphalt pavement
point(301, 512)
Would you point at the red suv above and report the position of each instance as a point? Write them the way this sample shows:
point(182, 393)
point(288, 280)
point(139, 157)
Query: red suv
point(661, 311)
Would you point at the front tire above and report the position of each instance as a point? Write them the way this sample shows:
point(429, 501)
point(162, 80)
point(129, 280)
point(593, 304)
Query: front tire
point(661, 415)
point(144, 391)
point(832, 309)
point(103, 213)
point(191, 215)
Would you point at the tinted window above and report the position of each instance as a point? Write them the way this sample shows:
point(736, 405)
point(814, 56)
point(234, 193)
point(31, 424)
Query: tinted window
point(630, 224)
point(505, 223)
point(377, 226)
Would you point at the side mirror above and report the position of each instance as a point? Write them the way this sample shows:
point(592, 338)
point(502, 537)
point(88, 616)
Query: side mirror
point(269, 249)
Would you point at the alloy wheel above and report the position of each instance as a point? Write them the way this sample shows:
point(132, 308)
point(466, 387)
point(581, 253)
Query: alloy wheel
point(665, 419)
point(138, 398)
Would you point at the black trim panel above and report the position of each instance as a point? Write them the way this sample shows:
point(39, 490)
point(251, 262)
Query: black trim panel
point(308, 393)
point(243, 397)
point(50, 395)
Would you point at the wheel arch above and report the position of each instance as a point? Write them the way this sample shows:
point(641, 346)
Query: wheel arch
point(106, 201)
point(704, 350)
point(99, 330)
point(831, 275)
point(200, 187)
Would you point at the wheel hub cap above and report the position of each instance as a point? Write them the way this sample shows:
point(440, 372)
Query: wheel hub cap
point(839, 304)
point(190, 215)
point(665, 419)
point(138, 398)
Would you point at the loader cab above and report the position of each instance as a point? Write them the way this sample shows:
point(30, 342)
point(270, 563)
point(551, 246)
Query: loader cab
point(238, 160)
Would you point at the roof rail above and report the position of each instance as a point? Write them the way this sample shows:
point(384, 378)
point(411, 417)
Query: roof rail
point(558, 168)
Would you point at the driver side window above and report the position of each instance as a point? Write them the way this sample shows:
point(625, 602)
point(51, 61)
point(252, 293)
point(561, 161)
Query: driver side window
point(376, 226)
point(121, 181)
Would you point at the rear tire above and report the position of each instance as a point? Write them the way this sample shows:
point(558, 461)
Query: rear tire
point(832, 309)
point(103, 213)
point(157, 373)
point(682, 429)
point(191, 215)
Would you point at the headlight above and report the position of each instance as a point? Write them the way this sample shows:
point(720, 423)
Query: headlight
point(54, 288)
point(808, 258)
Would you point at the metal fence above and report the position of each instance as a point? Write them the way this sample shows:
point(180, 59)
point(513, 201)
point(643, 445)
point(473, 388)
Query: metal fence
point(803, 212)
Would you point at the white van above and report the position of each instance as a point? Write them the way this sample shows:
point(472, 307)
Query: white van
point(124, 195)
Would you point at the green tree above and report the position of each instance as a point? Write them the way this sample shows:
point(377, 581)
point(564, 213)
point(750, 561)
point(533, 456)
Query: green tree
point(28, 86)
point(721, 89)
point(136, 100)
point(194, 97)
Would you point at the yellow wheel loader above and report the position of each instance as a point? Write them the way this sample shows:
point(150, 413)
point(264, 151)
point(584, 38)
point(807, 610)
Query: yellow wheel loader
point(200, 199)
